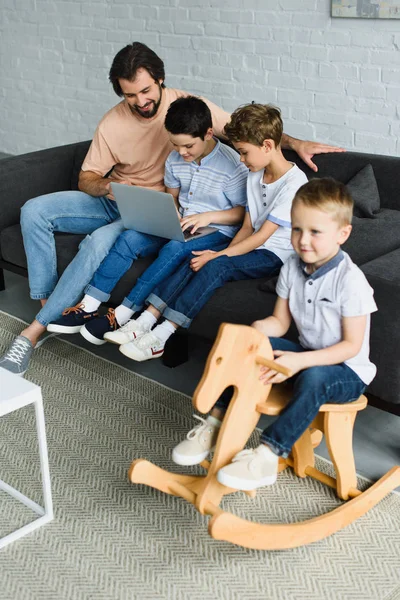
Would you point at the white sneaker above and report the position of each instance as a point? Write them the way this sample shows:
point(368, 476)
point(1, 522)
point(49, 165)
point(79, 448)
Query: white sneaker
point(147, 347)
point(250, 469)
point(131, 331)
point(200, 441)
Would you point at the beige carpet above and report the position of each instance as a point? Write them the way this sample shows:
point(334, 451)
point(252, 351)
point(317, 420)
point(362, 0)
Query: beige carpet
point(111, 540)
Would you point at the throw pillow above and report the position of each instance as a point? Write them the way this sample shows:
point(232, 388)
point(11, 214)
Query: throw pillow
point(364, 191)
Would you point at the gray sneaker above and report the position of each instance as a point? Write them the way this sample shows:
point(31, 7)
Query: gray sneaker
point(17, 357)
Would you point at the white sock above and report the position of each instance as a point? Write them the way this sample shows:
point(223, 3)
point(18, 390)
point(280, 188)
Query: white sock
point(268, 453)
point(164, 331)
point(90, 304)
point(214, 421)
point(147, 319)
point(123, 314)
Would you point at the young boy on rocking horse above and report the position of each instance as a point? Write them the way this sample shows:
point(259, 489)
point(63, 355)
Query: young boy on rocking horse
point(330, 301)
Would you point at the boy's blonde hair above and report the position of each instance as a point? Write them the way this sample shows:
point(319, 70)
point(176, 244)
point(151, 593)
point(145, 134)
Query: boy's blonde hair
point(328, 195)
point(254, 123)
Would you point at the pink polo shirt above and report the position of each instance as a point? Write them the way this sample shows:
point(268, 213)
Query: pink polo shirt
point(137, 147)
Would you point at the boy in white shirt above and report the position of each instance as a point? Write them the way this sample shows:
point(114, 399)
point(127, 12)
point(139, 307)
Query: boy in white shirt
point(260, 247)
point(330, 301)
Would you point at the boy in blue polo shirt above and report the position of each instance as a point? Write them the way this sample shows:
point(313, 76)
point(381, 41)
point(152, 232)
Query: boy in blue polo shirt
point(208, 183)
point(330, 300)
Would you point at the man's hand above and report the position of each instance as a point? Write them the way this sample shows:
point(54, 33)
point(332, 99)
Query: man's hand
point(193, 222)
point(202, 258)
point(291, 360)
point(110, 195)
point(306, 150)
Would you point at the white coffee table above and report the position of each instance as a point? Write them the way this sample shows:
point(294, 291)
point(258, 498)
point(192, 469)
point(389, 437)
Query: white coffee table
point(15, 393)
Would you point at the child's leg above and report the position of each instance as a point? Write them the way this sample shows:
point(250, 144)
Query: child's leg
point(312, 388)
point(129, 246)
point(169, 259)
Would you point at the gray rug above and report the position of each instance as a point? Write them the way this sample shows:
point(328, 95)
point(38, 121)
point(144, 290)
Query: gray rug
point(111, 540)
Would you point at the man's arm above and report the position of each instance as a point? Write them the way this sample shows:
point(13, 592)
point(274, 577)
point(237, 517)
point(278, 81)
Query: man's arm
point(93, 184)
point(306, 150)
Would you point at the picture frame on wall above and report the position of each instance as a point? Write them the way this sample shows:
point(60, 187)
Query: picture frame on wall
point(366, 9)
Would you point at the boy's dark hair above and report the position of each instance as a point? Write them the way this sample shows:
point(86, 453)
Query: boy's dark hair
point(131, 58)
point(188, 115)
point(254, 123)
point(328, 195)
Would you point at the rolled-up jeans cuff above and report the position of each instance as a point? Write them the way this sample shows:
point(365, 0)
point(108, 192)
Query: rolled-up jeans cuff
point(274, 446)
point(96, 293)
point(131, 305)
point(43, 296)
point(177, 318)
point(157, 302)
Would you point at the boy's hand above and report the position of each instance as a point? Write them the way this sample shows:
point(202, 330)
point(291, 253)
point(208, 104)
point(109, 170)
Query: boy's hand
point(202, 258)
point(110, 195)
point(193, 222)
point(306, 150)
point(291, 360)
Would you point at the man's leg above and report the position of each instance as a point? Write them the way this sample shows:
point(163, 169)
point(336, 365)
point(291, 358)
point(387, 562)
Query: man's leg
point(41, 217)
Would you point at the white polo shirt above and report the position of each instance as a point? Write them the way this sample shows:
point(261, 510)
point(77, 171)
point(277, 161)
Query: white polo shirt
point(318, 302)
point(273, 202)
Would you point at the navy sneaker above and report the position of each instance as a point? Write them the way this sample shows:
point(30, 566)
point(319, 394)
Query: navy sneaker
point(94, 331)
point(71, 320)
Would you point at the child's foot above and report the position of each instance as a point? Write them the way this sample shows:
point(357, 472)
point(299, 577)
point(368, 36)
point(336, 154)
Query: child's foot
point(72, 319)
point(18, 355)
point(147, 347)
point(94, 331)
point(250, 469)
point(131, 331)
point(200, 441)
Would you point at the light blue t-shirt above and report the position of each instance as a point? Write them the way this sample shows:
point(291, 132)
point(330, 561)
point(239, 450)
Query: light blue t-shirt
point(217, 183)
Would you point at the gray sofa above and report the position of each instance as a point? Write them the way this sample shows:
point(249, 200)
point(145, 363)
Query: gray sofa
point(374, 245)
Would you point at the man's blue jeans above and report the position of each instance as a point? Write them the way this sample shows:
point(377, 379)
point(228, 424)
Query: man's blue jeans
point(132, 245)
point(72, 212)
point(184, 294)
point(312, 388)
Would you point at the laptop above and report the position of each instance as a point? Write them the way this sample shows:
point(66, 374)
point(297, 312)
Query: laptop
point(152, 212)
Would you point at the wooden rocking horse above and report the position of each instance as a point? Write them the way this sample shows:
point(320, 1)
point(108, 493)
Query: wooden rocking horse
point(235, 359)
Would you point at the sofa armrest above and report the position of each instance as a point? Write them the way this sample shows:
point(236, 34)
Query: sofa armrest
point(34, 174)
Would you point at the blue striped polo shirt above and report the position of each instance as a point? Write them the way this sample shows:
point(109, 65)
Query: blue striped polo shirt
point(217, 183)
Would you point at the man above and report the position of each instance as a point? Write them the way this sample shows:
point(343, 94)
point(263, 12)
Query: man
point(130, 146)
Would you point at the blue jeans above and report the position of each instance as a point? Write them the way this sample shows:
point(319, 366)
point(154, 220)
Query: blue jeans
point(184, 294)
point(312, 388)
point(72, 212)
point(132, 245)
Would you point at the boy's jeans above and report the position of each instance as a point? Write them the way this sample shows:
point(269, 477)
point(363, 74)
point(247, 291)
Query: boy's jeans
point(312, 388)
point(72, 212)
point(132, 245)
point(184, 294)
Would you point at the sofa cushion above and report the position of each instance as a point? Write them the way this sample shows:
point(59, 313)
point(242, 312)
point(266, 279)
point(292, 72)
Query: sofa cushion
point(371, 238)
point(364, 191)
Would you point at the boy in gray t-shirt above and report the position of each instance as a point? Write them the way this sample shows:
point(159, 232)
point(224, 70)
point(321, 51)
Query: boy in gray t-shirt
point(330, 300)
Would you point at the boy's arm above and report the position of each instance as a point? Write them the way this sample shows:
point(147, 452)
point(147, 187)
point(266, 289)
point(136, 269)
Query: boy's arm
point(353, 329)
point(244, 241)
point(175, 194)
point(231, 216)
point(278, 323)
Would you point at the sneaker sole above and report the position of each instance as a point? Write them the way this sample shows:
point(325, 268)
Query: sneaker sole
point(126, 353)
point(91, 338)
point(63, 328)
point(236, 483)
point(189, 461)
point(113, 341)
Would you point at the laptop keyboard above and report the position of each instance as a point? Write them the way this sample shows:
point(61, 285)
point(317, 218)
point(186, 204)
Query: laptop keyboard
point(188, 234)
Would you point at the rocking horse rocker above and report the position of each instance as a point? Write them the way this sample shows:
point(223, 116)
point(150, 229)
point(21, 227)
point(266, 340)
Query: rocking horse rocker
point(235, 359)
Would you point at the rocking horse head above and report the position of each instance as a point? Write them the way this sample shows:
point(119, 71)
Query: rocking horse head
point(232, 360)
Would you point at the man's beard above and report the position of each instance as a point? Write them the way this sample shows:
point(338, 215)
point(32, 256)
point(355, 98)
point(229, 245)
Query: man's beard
point(150, 113)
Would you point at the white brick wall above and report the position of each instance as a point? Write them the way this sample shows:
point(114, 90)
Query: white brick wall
point(336, 80)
